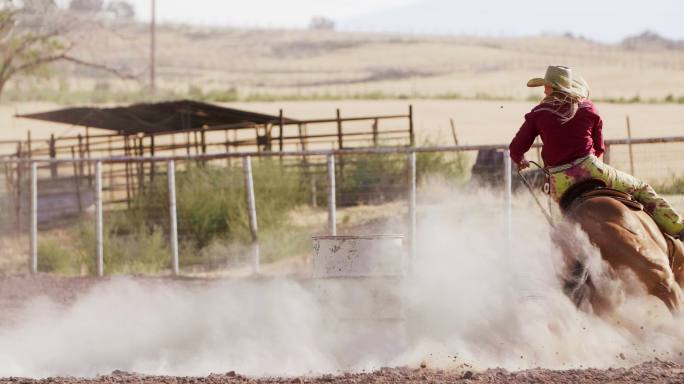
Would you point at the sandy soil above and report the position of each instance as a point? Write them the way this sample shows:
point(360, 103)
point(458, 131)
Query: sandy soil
point(651, 372)
point(65, 291)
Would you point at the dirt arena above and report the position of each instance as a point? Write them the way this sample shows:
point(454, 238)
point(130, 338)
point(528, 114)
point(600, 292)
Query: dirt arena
point(14, 291)
point(652, 372)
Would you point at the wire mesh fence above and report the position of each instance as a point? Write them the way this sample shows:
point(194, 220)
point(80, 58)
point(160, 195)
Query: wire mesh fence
point(193, 215)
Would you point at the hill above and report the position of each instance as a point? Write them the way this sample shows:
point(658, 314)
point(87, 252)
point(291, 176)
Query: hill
point(246, 64)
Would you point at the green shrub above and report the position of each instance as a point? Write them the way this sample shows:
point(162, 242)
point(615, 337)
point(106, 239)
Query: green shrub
point(52, 257)
point(211, 201)
point(380, 178)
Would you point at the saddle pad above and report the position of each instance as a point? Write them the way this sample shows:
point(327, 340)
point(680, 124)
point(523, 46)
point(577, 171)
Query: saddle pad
point(622, 197)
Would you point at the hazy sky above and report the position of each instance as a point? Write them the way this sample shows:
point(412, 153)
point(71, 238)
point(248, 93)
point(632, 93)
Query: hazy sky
point(607, 20)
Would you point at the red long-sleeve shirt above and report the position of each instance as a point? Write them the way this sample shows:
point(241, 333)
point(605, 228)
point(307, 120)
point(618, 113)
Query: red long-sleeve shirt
point(563, 143)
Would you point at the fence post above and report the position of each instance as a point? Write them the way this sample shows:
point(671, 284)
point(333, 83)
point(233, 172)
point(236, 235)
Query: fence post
point(34, 218)
point(53, 154)
point(173, 224)
point(99, 252)
point(508, 192)
point(412, 136)
point(332, 227)
point(340, 136)
point(412, 206)
point(251, 206)
point(629, 141)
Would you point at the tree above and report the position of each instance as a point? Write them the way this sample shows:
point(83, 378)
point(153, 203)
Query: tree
point(31, 39)
point(121, 9)
point(321, 23)
point(86, 5)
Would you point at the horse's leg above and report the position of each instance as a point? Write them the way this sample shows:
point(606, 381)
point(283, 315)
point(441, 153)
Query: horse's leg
point(648, 262)
point(675, 250)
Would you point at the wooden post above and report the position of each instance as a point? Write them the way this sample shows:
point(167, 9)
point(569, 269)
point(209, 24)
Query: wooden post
point(53, 155)
point(235, 139)
point(453, 131)
point(111, 170)
point(281, 124)
point(28, 144)
point(606, 155)
point(127, 170)
point(629, 143)
point(77, 179)
point(141, 165)
point(80, 154)
point(375, 132)
point(339, 130)
point(227, 137)
point(187, 143)
point(203, 137)
point(152, 163)
point(411, 133)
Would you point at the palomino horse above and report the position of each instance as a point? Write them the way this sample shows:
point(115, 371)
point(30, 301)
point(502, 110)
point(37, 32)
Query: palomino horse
point(628, 239)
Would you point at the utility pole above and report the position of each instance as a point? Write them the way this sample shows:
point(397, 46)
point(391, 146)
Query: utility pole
point(153, 47)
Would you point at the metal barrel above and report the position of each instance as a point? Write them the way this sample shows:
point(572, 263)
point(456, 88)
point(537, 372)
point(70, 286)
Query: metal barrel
point(359, 281)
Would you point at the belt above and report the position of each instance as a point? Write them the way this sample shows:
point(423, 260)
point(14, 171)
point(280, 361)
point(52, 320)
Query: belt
point(565, 167)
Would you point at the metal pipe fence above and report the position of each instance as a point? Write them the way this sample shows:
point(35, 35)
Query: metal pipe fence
point(198, 213)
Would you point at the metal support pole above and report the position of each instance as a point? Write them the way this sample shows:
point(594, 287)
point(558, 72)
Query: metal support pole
point(332, 227)
point(99, 235)
point(173, 224)
point(508, 193)
point(251, 206)
point(34, 219)
point(412, 205)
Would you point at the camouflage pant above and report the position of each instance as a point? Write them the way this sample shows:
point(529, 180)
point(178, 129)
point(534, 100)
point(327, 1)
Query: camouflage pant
point(592, 168)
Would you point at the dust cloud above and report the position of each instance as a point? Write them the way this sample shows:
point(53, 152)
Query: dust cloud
point(472, 297)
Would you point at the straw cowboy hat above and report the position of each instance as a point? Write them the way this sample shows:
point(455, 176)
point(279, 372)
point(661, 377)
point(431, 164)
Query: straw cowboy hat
point(561, 78)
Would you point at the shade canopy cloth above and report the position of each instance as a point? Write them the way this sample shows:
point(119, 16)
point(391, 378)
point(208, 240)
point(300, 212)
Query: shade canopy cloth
point(160, 117)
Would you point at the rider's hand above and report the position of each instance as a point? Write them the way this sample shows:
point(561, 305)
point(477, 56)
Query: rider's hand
point(523, 164)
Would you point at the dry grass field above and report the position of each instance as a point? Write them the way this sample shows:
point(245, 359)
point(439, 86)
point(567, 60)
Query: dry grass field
point(302, 63)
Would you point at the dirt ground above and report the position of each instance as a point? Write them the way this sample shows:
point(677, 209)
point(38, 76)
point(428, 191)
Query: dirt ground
point(16, 290)
point(651, 372)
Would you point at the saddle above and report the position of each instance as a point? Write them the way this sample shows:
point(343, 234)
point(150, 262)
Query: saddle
point(596, 188)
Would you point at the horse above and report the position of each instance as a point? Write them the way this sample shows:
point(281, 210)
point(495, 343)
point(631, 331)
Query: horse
point(628, 240)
